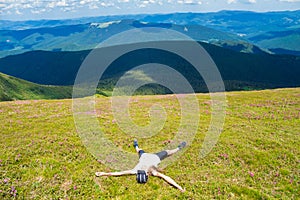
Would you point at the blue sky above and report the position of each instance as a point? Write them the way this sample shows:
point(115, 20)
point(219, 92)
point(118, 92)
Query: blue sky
point(48, 9)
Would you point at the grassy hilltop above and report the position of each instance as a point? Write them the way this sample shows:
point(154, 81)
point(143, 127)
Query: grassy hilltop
point(256, 157)
point(12, 88)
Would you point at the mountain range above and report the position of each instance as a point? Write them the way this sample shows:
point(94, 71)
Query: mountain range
point(251, 50)
point(238, 70)
point(269, 30)
point(88, 36)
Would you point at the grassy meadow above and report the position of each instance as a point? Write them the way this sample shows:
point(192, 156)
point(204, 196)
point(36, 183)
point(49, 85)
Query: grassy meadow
point(257, 155)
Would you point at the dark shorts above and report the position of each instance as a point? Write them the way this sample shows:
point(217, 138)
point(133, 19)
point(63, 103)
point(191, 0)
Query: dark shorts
point(141, 152)
point(162, 155)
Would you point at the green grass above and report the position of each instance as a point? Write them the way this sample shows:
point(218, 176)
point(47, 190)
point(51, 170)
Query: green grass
point(12, 88)
point(256, 157)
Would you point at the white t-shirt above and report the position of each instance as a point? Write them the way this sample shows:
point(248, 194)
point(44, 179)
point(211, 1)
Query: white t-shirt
point(146, 161)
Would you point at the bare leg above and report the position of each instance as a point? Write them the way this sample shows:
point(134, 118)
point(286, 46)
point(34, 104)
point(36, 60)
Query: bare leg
point(180, 146)
point(168, 179)
point(137, 149)
point(127, 172)
point(171, 152)
point(136, 146)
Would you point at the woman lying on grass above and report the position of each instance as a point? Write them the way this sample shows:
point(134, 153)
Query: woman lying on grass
point(147, 166)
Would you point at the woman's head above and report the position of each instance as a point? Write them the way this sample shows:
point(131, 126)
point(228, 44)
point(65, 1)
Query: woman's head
point(141, 176)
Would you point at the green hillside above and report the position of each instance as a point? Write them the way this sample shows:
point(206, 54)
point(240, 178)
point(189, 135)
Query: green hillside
point(12, 88)
point(256, 157)
point(289, 42)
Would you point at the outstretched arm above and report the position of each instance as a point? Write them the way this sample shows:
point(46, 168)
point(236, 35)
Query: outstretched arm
point(168, 179)
point(127, 172)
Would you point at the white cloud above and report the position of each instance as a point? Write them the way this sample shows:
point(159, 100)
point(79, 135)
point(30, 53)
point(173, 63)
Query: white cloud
point(27, 6)
point(18, 12)
point(290, 1)
point(107, 4)
point(51, 4)
point(35, 11)
point(68, 9)
point(93, 6)
point(145, 2)
point(142, 6)
point(62, 3)
point(231, 1)
point(189, 2)
point(38, 11)
point(55, 4)
point(241, 1)
point(9, 8)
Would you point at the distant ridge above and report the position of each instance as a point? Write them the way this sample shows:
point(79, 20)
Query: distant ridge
point(80, 37)
point(239, 70)
point(77, 34)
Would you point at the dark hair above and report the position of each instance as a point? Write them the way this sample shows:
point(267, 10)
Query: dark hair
point(141, 176)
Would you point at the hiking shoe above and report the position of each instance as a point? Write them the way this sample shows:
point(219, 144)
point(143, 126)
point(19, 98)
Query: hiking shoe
point(135, 143)
point(182, 145)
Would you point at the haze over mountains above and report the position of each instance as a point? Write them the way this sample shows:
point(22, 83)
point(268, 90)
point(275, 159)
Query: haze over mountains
point(247, 47)
point(88, 36)
point(267, 30)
